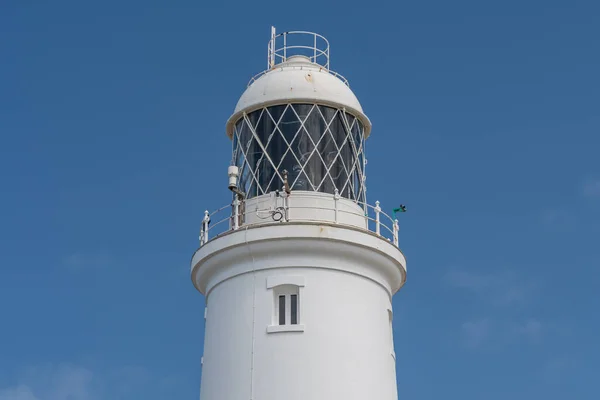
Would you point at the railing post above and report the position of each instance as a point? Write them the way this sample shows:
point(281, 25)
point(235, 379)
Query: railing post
point(396, 229)
point(336, 197)
point(377, 221)
point(236, 213)
point(286, 207)
point(205, 222)
point(315, 49)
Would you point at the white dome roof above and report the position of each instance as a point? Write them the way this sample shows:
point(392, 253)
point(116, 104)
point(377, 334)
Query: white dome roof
point(298, 81)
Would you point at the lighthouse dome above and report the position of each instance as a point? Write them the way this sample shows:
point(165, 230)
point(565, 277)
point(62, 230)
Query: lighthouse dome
point(298, 80)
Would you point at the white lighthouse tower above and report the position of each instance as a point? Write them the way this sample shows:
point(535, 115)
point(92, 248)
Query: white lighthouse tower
point(298, 270)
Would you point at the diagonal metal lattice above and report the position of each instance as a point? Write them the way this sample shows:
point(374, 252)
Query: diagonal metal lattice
point(322, 148)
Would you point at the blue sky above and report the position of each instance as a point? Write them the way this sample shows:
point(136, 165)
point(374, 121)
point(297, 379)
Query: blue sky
point(486, 122)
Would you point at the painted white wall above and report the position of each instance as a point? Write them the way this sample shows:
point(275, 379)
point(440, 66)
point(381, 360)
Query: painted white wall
point(344, 350)
point(306, 206)
point(342, 347)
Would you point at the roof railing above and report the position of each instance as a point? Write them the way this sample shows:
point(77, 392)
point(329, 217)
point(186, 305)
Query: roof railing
point(293, 43)
point(298, 43)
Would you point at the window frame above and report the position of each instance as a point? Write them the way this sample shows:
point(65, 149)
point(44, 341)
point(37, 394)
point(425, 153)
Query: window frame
point(286, 290)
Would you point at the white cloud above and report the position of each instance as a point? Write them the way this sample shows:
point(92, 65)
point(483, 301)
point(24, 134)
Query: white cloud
point(467, 280)
point(555, 369)
point(127, 380)
point(20, 392)
point(496, 330)
point(499, 294)
point(80, 261)
point(64, 382)
point(73, 382)
point(557, 218)
point(592, 188)
point(531, 329)
point(476, 332)
point(501, 289)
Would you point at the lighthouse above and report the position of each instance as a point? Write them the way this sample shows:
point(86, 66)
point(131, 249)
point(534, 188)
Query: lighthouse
point(298, 269)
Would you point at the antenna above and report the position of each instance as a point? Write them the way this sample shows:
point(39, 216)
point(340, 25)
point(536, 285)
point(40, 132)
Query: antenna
point(271, 61)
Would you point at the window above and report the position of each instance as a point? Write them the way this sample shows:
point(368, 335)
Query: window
point(286, 309)
point(294, 309)
point(281, 309)
point(287, 313)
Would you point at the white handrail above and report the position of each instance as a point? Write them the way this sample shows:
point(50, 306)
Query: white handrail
point(237, 218)
point(319, 53)
point(281, 54)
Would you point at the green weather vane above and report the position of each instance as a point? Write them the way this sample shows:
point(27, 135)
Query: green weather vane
point(402, 208)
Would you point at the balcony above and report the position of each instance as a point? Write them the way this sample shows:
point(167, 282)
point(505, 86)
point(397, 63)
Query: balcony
point(299, 206)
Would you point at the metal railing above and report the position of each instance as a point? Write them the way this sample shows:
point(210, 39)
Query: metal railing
point(282, 46)
point(375, 220)
point(316, 47)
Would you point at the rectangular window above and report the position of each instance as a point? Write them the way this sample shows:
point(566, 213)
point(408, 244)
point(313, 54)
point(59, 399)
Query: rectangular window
point(282, 310)
point(294, 310)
